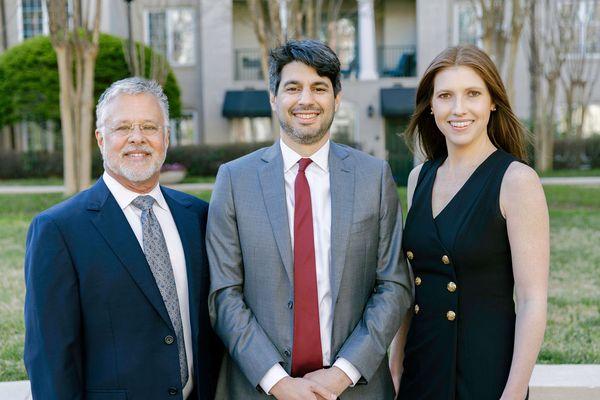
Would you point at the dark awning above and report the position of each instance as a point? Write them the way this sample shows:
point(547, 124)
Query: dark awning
point(246, 103)
point(397, 101)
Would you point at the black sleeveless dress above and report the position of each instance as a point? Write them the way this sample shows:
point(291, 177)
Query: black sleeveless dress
point(460, 341)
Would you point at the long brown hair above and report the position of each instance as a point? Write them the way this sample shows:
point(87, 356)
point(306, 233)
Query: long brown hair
point(504, 128)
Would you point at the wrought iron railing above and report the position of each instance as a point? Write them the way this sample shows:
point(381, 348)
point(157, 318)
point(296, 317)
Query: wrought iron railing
point(397, 61)
point(392, 61)
point(247, 65)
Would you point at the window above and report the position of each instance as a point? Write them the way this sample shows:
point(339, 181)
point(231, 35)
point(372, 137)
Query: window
point(183, 129)
point(346, 46)
point(33, 19)
point(157, 31)
point(343, 128)
point(250, 130)
point(172, 32)
point(586, 28)
point(589, 18)
point(467, 27)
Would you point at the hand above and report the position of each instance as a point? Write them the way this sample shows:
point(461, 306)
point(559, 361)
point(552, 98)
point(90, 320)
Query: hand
point(290, 388)
point(334, 379)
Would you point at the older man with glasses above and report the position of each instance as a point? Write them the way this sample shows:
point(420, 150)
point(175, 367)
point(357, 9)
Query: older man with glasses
point(117, 276)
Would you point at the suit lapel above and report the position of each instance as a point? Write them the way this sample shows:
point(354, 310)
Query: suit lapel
point(273, 189)
point(188, 227)
point(341, 177)
point(113, 226)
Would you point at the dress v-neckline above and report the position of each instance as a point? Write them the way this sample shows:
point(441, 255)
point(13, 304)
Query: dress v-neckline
point(460, 190)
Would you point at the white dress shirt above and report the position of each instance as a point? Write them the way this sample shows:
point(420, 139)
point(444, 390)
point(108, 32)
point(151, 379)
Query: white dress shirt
point(160, 208)
point(317, 175)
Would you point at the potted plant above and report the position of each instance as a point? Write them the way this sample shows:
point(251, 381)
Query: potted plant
point(172, 173)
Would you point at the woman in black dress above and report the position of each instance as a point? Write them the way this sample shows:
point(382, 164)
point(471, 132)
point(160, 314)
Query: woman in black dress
point(476, 231)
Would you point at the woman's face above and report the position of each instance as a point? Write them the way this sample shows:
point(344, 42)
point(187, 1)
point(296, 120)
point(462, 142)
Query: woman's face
point(461, 105)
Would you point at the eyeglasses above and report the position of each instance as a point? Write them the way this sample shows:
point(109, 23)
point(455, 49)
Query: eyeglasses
point(148, 129)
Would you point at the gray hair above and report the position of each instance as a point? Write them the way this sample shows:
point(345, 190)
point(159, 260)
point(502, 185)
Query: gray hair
point(134, 85)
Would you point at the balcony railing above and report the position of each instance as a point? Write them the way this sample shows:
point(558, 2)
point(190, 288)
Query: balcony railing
point(397, 61)
point(392, 61)
point(247, 65)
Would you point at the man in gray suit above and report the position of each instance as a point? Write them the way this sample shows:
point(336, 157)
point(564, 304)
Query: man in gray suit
point(308, 284)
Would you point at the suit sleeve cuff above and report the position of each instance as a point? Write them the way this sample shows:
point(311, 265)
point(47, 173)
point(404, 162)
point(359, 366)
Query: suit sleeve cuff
point(348, 369)
point(274, 375)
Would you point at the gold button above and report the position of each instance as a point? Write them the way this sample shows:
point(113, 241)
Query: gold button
point(417, 308)
point(410, 255)
point(445, 260)
point(417, 281)
point(451, 286)
point(451, 315)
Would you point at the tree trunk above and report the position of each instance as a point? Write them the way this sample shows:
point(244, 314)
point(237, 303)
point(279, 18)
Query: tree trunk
point(3, 30)
point(547, 147)
point(534, 66)
point(65, 73)
point(308, 9)
point(87, 106)
point(517, 20)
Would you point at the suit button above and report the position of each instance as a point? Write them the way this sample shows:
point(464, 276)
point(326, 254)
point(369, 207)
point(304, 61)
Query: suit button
point(416, 309)
point(169, 339)
point(451, 287)
point(446, 259)
point(290, 304)
point(410, 255)
point(418, 281)
point(287, 352)
point(172, 391)
point(451, 315)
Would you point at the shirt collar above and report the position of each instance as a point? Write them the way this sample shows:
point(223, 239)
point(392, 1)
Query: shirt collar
point(125, 196)
point(291, 158)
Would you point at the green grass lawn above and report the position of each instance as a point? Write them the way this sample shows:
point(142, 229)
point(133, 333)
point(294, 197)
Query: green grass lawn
point(31, 182)
point(573, 334)
point(572, 172)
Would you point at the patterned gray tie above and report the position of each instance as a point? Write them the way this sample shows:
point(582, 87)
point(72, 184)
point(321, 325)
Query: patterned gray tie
point(157, 255)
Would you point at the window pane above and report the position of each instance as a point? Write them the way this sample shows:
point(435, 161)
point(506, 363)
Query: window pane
point(157, 31)
point(33, 18)
point(467, 24)
point(181, 36)
point(592, 32)
point(183, 134)
point(346, 44)
point(342, 128)
point(592, 44)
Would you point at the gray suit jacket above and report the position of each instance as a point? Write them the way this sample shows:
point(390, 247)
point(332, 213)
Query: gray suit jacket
point(251, 268)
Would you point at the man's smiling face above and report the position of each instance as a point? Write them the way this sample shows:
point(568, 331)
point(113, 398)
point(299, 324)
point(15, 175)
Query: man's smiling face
point(134, 156)
point(305, 103)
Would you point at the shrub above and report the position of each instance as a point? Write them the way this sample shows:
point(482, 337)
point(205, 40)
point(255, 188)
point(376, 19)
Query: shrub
point(572, 153)
point(204, 160)
point(29, 87)
point(200, 160)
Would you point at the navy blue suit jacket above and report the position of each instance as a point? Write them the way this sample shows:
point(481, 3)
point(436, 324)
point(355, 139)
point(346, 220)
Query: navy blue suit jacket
point(95, 320)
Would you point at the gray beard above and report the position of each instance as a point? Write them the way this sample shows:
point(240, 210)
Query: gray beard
point(112, 163)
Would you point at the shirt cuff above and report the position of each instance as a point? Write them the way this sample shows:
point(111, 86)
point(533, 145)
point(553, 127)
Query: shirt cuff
point(348, 369)
point(274, 375)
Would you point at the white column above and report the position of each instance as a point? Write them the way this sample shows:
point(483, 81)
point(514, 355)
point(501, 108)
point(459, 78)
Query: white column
point(366, 41)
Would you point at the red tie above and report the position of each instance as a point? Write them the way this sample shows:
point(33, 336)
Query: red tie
point(306, 355)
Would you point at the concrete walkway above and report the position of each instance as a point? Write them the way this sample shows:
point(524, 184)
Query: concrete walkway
point(198, 187)
point(548, 382)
